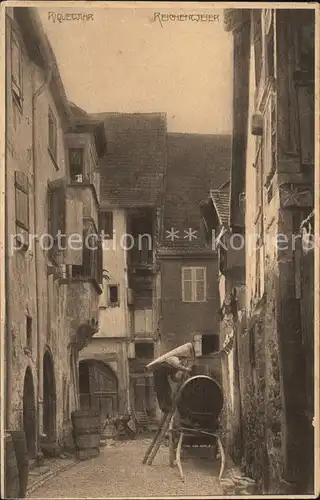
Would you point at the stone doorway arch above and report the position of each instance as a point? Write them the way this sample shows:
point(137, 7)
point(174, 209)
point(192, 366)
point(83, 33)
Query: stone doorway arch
point(98, 385)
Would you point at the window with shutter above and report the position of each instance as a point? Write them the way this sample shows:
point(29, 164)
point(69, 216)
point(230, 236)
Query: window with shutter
point(57, 220)
point(22, 207)
point(76, 165)
point(257, 40)
point(16, 69)
point(74, 228)
point(52, 136)
point(259, 181)
point(96, 258)
point(106, 224)
point(269, 143)
point(194, 284)
point(197, 344)
point(29, 332)
point(186, 284)
point(99, 262)
point(199, 284)
point(91, 257)
point(259, 251)
point(269, 41)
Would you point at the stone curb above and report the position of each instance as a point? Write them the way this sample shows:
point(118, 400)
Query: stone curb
point(42, 480)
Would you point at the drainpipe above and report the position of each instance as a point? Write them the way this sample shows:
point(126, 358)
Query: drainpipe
point(7, 337)
point(37, 250)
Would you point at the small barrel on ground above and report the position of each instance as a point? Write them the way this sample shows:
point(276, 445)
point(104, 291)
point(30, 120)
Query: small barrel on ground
point(87, 433)
point(11, 472)
point(22, 457)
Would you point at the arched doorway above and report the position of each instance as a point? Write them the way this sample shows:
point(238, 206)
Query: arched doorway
point(98, 388)
point(29, 413)
point(49, 398)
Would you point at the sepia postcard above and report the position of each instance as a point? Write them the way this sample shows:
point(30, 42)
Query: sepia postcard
point(159, 267)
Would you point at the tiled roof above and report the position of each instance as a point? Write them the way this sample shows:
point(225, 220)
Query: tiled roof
point(78, 112)
point(84, 123)
point(196, 163)
point(221, 202)
point(132, 171)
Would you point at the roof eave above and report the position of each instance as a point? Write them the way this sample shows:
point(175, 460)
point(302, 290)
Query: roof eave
point(41, 53)
point(95, 127)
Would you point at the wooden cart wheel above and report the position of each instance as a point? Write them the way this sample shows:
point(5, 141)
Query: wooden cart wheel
point(171, 444)
point(223, 458)
point(178, 456)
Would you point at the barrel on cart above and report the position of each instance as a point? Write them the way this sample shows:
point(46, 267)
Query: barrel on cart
point(86, 432)
point(199, 406)
point(11, 472)
point(22, 457)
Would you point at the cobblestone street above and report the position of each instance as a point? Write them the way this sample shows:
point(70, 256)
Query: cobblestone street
point(118, 472)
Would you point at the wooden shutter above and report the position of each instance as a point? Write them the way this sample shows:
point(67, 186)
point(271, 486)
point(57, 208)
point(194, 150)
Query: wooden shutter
point(187, 284)
point(96, 259)
point(257, 40)
point(22, 207)
point(92, 255)
point(87, 257)
point(258, 182)
point(258, 269)
point(74, 226)
point(22, 199)
point(61, 209)
point(52, 134)
point(16, 67)
point(57, 218)
point(267, 141)
point(200, 284)
point(198, 345)
point(269, 42)
point(99, 262)
point(261, 270)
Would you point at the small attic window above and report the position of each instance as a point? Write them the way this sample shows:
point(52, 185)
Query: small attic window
point(113, 295)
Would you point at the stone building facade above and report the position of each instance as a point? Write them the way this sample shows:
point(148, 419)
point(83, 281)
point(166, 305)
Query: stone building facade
point(132, 176)
point(52, 290)
point(189, 302)
point(272, 182)
point(231, 282)
point(151, 181)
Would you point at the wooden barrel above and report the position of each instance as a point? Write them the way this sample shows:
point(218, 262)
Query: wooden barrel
point(86, 432)
point(11, 469)
point(86, 420)
point(201, 401)
point(20, 446)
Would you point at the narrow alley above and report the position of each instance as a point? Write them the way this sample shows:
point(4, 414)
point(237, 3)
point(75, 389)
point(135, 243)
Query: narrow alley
point(159, 246)
point(118, 472)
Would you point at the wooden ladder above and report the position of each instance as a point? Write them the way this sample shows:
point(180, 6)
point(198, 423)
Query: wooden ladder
point(163, 426)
